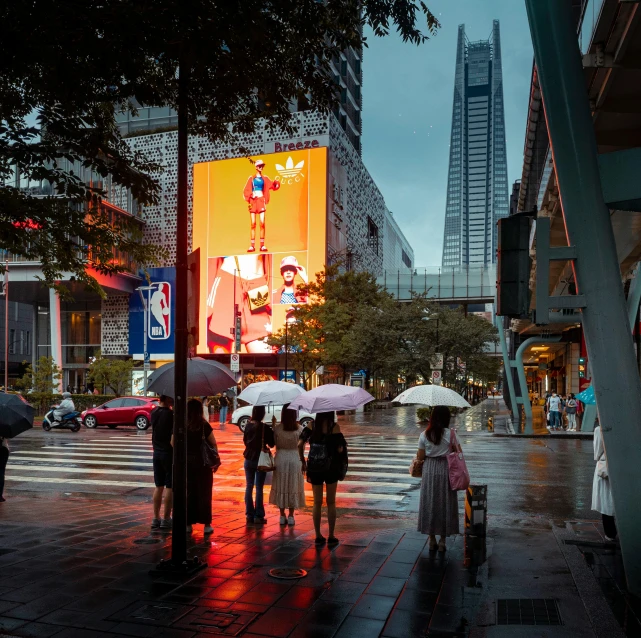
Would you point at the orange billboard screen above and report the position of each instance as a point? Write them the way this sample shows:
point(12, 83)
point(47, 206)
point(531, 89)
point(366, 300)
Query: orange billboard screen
point(260, 228)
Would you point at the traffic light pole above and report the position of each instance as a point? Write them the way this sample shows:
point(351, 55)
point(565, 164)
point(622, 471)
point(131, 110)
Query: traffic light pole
point(589, 229)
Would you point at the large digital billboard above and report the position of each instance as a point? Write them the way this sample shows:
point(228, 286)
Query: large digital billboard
point(260, 224)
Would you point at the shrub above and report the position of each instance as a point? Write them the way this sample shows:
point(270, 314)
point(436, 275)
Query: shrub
point(423, 414)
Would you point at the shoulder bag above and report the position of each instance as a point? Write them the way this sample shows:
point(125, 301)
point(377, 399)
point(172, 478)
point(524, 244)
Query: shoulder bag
point(416, 468)
point(265, 460)
point(210, 455)
point(459, 476)
point(602, 467)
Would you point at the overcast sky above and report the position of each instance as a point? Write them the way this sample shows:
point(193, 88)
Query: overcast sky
point(407, 112)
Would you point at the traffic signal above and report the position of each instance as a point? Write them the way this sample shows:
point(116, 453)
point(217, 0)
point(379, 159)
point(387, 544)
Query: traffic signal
point(581, 367)
point(513, 267)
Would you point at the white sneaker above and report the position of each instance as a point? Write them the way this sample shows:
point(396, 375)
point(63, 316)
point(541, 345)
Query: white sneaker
point(208, 529)
point(290, 521)
point(282, 521)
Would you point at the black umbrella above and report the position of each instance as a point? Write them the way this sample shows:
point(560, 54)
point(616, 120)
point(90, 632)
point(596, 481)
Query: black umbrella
point(16, 415)
point(204, 377)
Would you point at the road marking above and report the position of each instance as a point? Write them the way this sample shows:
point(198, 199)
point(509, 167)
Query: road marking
point(99, 456)
point(84, 461)
point(81, 452)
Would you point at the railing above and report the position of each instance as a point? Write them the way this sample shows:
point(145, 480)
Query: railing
point(441, 283)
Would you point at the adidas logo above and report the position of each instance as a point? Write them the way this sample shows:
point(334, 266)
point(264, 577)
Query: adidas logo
point(289, 170)
point(260, 300)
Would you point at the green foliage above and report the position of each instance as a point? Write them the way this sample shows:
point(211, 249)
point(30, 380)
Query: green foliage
point(80, 66)
point(424, 414)
point(111, 373)
point(43, 378)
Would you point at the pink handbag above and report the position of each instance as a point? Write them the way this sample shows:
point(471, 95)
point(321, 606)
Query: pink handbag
point(459, 476)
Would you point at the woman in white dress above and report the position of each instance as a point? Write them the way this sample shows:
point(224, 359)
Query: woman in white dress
point(288, 485)
point(438, 503)
point(601, 491)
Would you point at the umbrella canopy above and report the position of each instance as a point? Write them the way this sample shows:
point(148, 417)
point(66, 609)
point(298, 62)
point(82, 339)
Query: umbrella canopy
point(587, 396)
point(204, 377)
point(270, 393)
point(331, 397)
point(16, 415)
point(432, 395)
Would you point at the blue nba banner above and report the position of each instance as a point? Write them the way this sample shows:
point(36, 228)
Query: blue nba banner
point(159, 324)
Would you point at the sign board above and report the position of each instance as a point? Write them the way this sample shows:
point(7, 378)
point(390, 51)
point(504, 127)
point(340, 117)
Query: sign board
point(234, 363)
point(436, 377)
point(146, 365)
point(290, 377)
point(437, 361)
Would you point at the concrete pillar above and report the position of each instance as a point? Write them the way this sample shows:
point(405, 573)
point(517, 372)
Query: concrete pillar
point(589, 229)
point(56, 332)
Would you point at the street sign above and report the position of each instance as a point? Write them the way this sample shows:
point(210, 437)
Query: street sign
point(436, 377)
point(234, 363)
point(437, 361)
point(146, 362)
point(146, 357)
point(237, 333)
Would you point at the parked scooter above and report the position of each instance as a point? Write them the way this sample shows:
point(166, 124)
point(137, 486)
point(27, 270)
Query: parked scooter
point(70, 421)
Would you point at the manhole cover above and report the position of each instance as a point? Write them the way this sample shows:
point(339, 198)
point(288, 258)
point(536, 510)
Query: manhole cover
point(150, 613)
point(212, 621)
point(527, 611)
point(287, 573)
point(150, 540)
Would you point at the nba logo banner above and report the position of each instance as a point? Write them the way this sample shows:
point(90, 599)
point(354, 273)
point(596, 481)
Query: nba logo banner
point(159, 316)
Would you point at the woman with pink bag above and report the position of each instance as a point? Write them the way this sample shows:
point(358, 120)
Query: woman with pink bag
point(438, 504)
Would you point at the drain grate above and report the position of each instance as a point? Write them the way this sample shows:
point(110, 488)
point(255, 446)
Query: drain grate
point(219, 623)
point(527, 611)
point(151, 613)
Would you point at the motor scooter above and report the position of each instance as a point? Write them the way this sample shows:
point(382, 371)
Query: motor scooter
point(70, 421)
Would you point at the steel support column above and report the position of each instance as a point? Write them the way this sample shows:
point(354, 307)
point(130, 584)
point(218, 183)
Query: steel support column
point(498, 321)
point(520, 369)
point(587, 220)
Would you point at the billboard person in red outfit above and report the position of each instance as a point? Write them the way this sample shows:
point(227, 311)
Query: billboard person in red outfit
point(256, 194)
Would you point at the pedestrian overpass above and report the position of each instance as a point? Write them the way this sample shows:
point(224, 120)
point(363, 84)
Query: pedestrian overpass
point(465, 285)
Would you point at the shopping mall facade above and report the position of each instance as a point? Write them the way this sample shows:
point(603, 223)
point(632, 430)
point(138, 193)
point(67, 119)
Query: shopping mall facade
point(327, 209)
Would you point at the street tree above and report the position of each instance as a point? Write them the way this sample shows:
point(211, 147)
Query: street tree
point(111, 373)
point(43, 378)
point(67, 71)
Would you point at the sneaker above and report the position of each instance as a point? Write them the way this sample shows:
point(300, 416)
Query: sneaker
point(251, 249)
point(155, 523)
point(190, 529)
point(282, 521)
point(290, 521)
point(260, 519)
point(263, 249)
point(208, 529)
point(165, 523)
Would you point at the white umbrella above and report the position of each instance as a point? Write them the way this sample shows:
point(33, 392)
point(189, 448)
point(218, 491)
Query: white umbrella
point(331, 397)
point(432, 395)
point(270, 393)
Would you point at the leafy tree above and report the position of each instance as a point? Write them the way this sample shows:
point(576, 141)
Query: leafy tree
point(111, 373)
point(43, 378)
point(75, 67)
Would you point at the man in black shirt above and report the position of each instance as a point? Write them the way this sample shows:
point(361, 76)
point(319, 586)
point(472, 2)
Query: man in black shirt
point(162, 439)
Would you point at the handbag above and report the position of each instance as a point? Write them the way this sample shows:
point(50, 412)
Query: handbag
point(209, 454)
point(265, 460)
point(416, 468)
point(459, 476)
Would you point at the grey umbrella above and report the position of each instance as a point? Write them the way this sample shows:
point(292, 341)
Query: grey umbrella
point(16, 415)
point(204, 377)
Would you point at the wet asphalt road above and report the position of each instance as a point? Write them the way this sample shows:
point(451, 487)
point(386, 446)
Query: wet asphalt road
point(526, 478)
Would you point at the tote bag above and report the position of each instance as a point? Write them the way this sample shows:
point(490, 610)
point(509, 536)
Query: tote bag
point(265, 460)
point(459, 476)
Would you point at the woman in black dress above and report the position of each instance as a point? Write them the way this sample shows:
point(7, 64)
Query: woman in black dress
point(326, 463)
point(200, 478)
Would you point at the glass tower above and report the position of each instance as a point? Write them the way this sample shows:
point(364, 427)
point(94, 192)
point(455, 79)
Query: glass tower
point(477, 193)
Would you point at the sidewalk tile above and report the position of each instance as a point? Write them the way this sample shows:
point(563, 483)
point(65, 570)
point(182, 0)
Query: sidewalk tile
point(276, 623)
point(327, 613)
point(404, 556)
point(396, 570)
point(300, 597)
point(373, 606)
point(355, 627)
point(39, 607)
point(417, 600)
point(343, 590)
point(385, 586)
point(38, 630)
point(9, 624)
point(406, 624)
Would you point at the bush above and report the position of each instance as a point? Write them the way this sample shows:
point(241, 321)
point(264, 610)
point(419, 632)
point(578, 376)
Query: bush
point(423, 414)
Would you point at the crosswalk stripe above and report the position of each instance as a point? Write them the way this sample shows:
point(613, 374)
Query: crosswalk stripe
point(71, 481)
point(99, 456)
point(84, 461)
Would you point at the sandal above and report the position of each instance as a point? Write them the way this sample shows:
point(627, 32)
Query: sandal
point(332, 540)
point(319, 540)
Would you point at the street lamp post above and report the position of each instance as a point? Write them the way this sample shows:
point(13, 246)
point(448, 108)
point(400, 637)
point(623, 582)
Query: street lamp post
point(145, 307)
point(6, 324)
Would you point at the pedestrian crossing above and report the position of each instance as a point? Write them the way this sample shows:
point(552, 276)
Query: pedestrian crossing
point(377, 478)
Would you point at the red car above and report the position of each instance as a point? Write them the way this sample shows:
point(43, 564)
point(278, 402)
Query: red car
point(121, 411)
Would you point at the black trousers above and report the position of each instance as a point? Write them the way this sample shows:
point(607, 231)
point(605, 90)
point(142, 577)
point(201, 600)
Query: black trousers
point(4, 457)
point(609, 526)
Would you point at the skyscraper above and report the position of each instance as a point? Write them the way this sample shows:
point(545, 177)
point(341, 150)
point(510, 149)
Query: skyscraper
point(477, 194)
